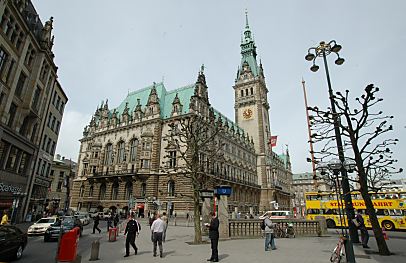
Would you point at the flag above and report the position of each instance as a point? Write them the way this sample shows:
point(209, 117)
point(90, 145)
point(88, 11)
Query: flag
point(272, 141)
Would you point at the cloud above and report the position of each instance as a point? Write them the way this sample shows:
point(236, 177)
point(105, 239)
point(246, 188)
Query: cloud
point(71, 131)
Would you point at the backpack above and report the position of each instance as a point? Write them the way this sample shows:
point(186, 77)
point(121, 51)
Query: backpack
point(263, 224)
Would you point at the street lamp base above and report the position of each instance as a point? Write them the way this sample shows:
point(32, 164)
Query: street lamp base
point(349, 250)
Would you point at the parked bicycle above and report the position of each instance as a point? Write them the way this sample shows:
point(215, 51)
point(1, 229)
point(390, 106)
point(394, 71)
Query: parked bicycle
point(338, 252)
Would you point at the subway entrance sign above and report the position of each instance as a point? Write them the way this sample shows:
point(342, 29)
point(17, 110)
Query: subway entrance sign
point(223, 190)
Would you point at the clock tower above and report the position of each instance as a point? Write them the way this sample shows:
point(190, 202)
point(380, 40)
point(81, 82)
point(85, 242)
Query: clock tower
point(252, 108)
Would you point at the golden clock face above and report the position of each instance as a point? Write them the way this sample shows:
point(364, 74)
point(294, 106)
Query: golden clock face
point(247, 114)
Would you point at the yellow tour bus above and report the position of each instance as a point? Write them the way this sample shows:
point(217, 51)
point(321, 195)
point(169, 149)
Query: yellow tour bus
point(390, 208)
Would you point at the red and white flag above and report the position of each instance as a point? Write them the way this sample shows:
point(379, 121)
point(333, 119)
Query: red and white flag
point(272, 141)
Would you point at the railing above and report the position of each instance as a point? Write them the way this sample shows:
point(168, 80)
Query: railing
point(251, 228)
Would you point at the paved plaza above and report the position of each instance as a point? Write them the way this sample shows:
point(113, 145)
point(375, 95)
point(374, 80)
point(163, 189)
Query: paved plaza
point(177, 249)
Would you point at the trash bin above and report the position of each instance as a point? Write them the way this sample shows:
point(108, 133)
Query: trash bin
point(69, 245)
point(112, 234)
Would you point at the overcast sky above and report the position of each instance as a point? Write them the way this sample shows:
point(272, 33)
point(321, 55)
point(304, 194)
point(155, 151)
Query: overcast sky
point(104, 49)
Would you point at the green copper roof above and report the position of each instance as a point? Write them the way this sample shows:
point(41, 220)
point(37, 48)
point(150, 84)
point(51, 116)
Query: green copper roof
point(230, 123)
point(165, 99)
point(248, 50)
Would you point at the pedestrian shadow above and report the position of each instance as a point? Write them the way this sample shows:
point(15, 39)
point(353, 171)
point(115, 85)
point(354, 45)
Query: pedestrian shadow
point(223, 256)
point(167, 240)
point(144, 252)
point(166, 253)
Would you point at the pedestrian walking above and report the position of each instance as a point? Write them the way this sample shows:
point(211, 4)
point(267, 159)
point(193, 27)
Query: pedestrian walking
point(109, 222)
point(4, 218)
point(96, 220)
point(116, 220)
point(360, 224)
point(157, 229)
point(131, 230)
point(269, 233)
point(151, 218)
point(214, 237)
point(166, 221)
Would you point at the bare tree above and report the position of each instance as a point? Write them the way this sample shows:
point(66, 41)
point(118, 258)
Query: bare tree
point(197, 140)
point(365, 139)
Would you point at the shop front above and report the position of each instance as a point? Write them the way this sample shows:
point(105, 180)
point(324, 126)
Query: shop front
point(11, 197)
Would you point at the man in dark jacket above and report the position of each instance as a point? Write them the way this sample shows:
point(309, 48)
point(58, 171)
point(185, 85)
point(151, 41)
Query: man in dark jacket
point(116, 220)
point(363, 229)
point(214, 237)
point(96, 223)
point(131, 231)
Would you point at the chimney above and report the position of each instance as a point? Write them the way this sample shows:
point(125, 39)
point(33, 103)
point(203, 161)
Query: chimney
point(58, 156)
point(63, 158)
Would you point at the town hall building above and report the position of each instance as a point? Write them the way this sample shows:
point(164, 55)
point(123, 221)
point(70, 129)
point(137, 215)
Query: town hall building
point(124, 152)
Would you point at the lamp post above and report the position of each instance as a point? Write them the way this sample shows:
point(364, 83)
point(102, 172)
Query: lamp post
point(323, 50)
point(335, 166)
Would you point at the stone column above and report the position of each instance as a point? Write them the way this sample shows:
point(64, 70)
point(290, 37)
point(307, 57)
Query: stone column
point(223, 217)
point(206, 209)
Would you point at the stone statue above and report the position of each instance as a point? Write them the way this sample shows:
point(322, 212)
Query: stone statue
point(47, 29)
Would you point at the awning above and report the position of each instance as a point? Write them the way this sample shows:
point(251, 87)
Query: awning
point(141, 206)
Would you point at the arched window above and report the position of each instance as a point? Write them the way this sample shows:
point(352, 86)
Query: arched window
point(102, 191)
point(81, 191)
point(121, 152)
point(114, 191)
point(242, 93)
point(128, 190)
point(109, 154)
point(133, 150)
point(143, 189)
point(171, 188)
point(91, 190)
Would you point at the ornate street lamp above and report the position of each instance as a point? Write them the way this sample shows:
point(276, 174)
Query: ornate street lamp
point(322, 51)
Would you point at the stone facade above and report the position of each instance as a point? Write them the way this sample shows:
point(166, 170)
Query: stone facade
point(63, 171)
point(28, 83)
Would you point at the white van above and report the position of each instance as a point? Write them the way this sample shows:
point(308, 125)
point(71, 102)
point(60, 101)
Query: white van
point(277, 214)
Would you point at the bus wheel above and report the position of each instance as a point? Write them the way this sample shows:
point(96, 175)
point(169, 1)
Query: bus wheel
point(331, 223)
point(388, 225)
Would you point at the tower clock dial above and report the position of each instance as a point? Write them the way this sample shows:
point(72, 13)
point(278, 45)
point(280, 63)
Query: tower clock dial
point(247, 113)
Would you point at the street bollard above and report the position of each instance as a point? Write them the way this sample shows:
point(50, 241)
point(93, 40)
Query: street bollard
point(94, 253)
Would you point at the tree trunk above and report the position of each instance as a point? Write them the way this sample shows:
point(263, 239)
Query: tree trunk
point(380, 240)
point(362, 178)
point(196, 210)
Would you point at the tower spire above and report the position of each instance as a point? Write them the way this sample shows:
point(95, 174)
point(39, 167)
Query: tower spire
point(247, 26)
point(248, 51)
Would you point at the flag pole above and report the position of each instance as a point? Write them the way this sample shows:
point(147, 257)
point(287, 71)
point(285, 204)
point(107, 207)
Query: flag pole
point(310, 136)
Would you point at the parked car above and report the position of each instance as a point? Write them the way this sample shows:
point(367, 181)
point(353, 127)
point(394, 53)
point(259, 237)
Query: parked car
point(277, 215)
point(84, 218)
point(39, 227)
point(65, 224)
point(102, 215)
point(12, 242)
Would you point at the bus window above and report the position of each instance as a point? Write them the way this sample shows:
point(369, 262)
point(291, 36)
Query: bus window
point(395, 212)
point(402, 195)
point(381, 212)
point(313, 211)
point(374, 196)
point(330, 211)
point(325, 197)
